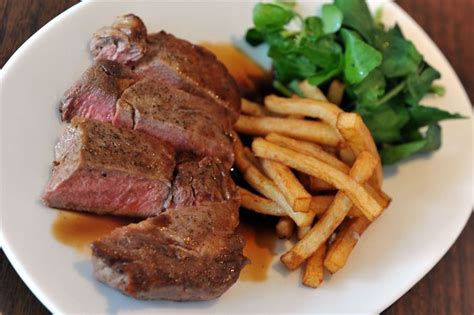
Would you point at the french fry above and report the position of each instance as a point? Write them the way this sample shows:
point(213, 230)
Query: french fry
point(355, 132)
point(265, 186)
point(345, 241)
point(251, 157)
point(308, 148)
point(259, 204)
point(309, 165)
point(314, 131)
point(319, 204)
point(314, 271)
point(285, 227)
point(302, 231)
point(318, 185)
point(295, 194)
point(336, 92)
point(346, 155)
point(311, 91)
point(332, 218)
point(323, 110)
point(252, 108)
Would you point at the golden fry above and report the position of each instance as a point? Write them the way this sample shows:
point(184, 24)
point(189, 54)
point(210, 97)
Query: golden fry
point(295, 194)
point(314, 271)
point(309, 165)
point(252, 108)
point(285, 227)
point(355, 132)
point(308, 148)
point(336, 92)
point(319, 204)
point(314, 131)
point(302, 231)
point(259, 204)
point(265, 186)
point(311, 91)
point(332, 218)
point(345, 241)
point(323, 110)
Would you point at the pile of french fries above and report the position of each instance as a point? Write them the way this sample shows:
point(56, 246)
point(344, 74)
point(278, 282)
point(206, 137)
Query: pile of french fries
point(317, 168)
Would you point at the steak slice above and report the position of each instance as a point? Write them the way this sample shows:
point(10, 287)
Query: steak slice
point(187, 122)
point(199, 181)
point(162, 55)
point(124, 41)
point(191, 68)
point(109, 170)
point(187, 253)
point(94, 95)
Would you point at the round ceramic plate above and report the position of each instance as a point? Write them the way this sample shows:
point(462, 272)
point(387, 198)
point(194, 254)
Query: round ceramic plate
point(432, 194)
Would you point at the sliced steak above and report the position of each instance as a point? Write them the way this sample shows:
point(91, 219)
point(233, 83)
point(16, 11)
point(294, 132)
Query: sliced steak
point(124, 41)
point(199, 181)
point(192, 68)
point(190, 253)
point(187, 122)
point(105, 169)
point(162, 55)
point(94, 95)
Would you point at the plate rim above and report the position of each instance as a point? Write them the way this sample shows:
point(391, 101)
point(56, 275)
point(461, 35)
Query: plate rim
point(50, 305)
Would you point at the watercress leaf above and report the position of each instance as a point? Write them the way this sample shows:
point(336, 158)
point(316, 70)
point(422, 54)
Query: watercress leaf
point(286, 3)
point(400, 56)
point(328, 73)
point(271, 17)
point(324, 53)
point(391, 154)
point(431, 141)
point(254, 37)
point(369, 90)
point(332, 18)
point(385, 122)
point(418, 84)
point(433, 138)
point(422, 115)
point(289, 67)
point(313, 27)
point(280, 87)
point(437, 89)
point(357, 16)
point(359, 57)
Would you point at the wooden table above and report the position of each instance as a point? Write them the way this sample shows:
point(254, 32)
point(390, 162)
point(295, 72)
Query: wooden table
point(447, 289)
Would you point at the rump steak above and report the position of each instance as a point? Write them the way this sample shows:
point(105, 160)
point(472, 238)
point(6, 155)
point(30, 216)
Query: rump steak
point(105, 169)
point(187, 253)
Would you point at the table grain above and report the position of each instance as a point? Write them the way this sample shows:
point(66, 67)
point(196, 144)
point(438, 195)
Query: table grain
point(447, 289)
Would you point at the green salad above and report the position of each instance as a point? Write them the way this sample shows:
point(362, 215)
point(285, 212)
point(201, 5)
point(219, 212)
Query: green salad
point(385, 76)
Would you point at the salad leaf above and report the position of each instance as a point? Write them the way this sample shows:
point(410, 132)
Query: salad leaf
point(391, 154)
point(369, 90)
point(332, 18)
point(357, 16)
point(359, 58)
point(421, 116)
point(386, 122)
point(400, 56)
point(271, 17)
point(313, 28)
point(418, 84)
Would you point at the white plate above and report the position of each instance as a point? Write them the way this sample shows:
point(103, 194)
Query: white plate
point(431, 194)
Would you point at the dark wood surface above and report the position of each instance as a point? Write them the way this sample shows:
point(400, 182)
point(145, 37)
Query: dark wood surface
point(447, 289)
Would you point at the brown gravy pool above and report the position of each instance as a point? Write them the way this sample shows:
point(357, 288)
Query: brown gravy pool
point(79, 230)
point(250, 77)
